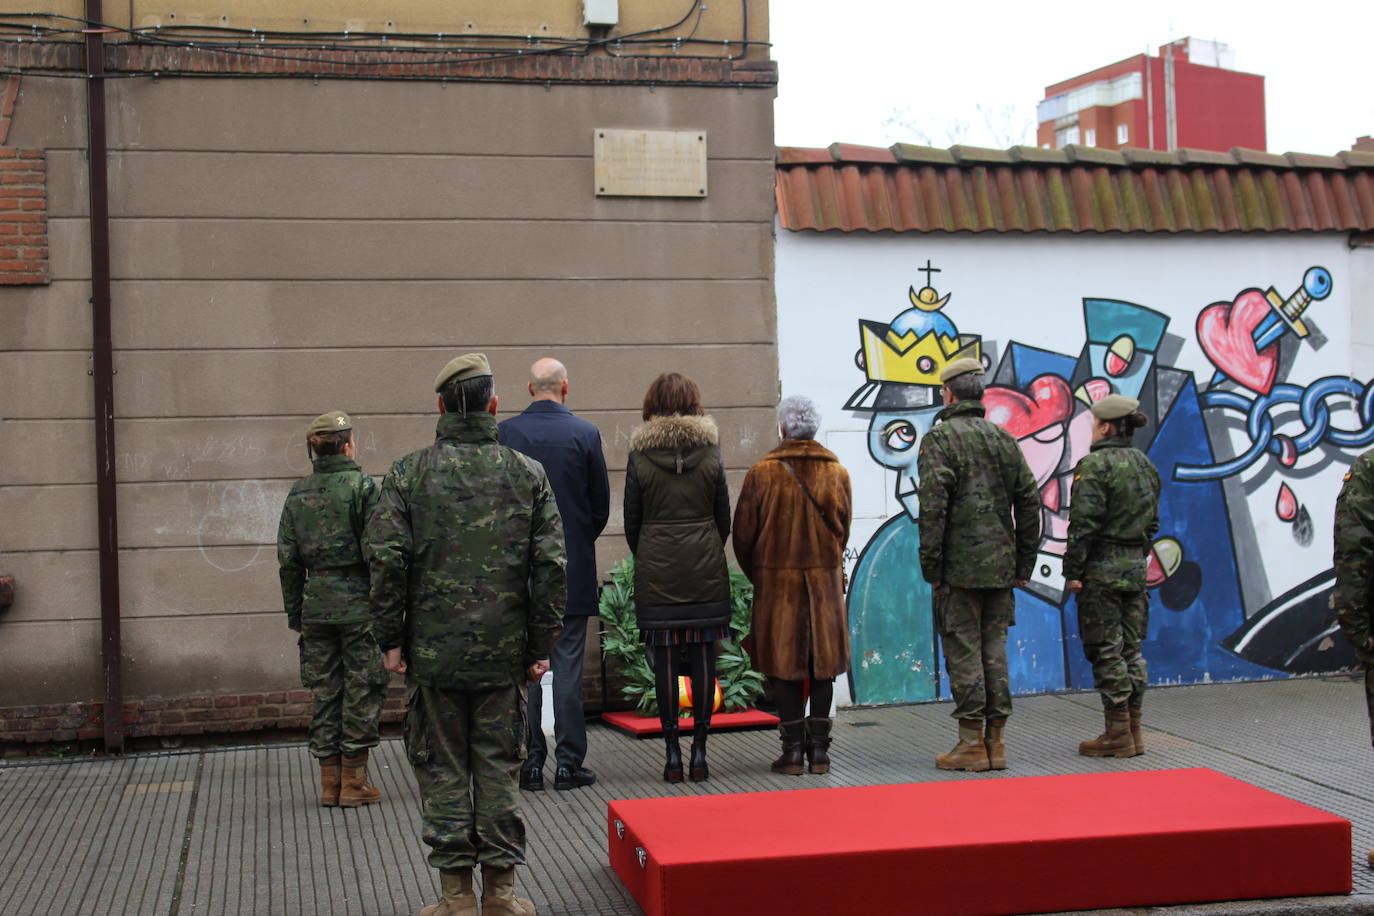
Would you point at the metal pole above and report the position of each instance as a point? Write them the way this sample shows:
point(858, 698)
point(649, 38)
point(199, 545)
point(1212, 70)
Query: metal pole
point(102, 359)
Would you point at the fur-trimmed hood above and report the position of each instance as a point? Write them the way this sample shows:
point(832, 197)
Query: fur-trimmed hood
point(678, 433)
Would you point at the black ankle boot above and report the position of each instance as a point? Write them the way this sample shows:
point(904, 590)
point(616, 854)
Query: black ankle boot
point(791, 762)
point(672, 766)
point(699, 771)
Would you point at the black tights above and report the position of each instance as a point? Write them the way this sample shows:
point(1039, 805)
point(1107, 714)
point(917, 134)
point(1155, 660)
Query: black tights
point(792, 707)
point(701, 657)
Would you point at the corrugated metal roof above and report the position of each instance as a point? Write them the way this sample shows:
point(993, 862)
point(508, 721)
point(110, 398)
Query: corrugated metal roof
point(1077, 189)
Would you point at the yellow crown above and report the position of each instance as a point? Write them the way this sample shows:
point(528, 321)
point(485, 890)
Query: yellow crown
point(916, 357)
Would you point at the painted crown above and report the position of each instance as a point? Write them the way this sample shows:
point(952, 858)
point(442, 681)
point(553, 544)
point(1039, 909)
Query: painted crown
point(917, 344)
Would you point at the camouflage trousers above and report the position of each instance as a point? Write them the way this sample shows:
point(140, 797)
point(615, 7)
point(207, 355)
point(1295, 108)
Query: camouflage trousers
point(1112, 625)
point(466, 747)
point(342, 666)
point(972, 623)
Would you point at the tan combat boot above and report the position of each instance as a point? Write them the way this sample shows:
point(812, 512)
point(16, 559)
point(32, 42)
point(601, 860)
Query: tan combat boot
point(970, 753)
point(457, 897)
point(354, 789)
point(498, 893)
point(1136, 737)
point(997, 753)
point(1115, 741)
point(329, 781)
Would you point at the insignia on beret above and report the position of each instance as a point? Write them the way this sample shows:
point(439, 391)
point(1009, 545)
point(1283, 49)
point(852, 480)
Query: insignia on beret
point(960, 367)
point(336, 421)
point(469, 365)
point(1114, 407)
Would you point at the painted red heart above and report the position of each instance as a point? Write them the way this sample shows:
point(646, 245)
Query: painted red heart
point(1226, 332)
point(1048, 402)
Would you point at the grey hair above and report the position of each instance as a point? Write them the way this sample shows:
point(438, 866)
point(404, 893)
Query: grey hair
point(552, 377)
point(800, 416)
point(967, 387)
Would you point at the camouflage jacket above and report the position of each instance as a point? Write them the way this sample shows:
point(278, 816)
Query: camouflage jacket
point(467, 558)
point(972, 474)
point(319, 544)
point(1113, 516)
point(1354, 553)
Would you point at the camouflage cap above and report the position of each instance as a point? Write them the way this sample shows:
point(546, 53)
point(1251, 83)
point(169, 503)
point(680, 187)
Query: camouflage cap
point(336, 421)
point(1114, 407)
point(960, 367)
point(469, 365)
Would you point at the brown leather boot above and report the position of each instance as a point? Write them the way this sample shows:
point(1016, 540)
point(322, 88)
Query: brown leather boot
point(970, 754)
point(329, 781)
point(355, 789)
point(997, 753)
point(1115, 740)
point(498, 893)
point(791, 763)
point(457, 898)
point(817, 744)
point(1136, 736)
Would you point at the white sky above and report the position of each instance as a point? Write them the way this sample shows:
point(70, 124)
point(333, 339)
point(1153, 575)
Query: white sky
point(847, 65)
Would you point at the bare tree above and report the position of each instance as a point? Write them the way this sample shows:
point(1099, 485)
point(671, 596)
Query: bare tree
point(999, 128)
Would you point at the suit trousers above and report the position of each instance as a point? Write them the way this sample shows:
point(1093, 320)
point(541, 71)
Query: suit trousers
point(569, 719)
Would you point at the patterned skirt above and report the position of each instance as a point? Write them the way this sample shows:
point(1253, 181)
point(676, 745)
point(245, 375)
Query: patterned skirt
point(684, 635)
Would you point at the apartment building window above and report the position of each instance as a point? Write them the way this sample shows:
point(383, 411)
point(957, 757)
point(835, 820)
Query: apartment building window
point(1123, 134)
point(1090, 136)
point(1064, 136)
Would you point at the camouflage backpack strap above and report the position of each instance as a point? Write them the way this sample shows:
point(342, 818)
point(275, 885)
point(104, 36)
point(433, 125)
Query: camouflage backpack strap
point(830, 525)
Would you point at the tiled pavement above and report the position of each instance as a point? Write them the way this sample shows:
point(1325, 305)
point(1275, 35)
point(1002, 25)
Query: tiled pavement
point(237, 831)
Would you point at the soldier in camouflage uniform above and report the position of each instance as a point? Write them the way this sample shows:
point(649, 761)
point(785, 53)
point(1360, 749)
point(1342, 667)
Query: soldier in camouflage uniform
point(324, 585)
point(468, 579)
point(974, 549)
point(1113, 518)
point(1354, 562)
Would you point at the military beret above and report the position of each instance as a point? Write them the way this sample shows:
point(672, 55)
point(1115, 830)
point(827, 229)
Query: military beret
point(960, 367)
point(1114, 407)
point(336, 421)
point(469, 365)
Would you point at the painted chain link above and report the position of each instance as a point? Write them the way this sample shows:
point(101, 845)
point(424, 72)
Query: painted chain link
point(1313, 410)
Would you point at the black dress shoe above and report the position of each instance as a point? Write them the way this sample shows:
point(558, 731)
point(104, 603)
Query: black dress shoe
point(531, 779)
point(570, 778)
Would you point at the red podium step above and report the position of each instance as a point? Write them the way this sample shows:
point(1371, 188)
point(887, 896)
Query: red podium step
point(977, 847)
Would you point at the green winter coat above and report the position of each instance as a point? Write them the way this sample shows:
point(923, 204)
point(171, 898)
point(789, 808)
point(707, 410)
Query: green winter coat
point(1354, 552)
point(319, 551)
point(972, 476)
point(467, 558)
point(1113, 516)
point(677, 517)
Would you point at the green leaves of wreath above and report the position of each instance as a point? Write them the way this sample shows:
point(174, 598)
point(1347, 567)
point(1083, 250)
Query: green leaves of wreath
point(740, 684)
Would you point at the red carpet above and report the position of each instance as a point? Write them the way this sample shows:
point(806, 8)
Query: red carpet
point(637, 726)
point(978, 847)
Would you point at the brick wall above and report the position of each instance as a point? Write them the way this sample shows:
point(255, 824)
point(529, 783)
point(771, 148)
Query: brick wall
point(33, 730)
point(23, 217)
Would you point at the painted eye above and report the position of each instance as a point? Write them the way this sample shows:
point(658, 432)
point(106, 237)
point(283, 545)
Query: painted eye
point(1119, 355)
point(925, 364)
point(899, 435)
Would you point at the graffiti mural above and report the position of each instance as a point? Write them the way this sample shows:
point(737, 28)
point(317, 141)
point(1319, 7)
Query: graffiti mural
point(1236, 444)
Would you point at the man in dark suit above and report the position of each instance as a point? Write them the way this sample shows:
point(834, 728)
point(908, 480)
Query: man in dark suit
point(569, 448)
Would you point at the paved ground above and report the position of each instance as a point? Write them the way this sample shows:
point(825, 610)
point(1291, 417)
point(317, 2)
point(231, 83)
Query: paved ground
point(236, 831)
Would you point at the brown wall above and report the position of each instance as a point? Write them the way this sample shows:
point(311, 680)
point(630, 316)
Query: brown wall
point(282, 248)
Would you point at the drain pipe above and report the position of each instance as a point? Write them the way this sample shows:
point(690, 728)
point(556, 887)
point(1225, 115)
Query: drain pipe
point(102, 369)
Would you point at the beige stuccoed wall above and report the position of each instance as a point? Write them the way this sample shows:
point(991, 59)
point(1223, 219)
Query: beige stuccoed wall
point(282, 248)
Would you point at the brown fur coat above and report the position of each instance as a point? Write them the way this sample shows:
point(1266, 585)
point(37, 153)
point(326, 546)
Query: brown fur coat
point(795, 560)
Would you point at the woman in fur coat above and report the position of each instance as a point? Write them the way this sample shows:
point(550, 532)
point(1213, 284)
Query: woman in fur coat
point(677, 517)
point(791, 525)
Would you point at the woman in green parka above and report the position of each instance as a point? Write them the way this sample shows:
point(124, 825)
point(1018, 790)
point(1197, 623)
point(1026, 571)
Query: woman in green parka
point(677, 517)
point(1113, 518)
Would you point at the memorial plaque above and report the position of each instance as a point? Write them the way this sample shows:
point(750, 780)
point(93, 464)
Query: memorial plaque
point(650, 163)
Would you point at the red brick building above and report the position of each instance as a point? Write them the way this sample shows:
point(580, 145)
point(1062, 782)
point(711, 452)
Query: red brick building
point(1188, 96)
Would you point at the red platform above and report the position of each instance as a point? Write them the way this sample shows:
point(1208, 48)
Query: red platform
point(637, 726)
point(977, 847)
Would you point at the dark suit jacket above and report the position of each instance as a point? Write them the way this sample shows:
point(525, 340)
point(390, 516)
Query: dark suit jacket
point(569, 448)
